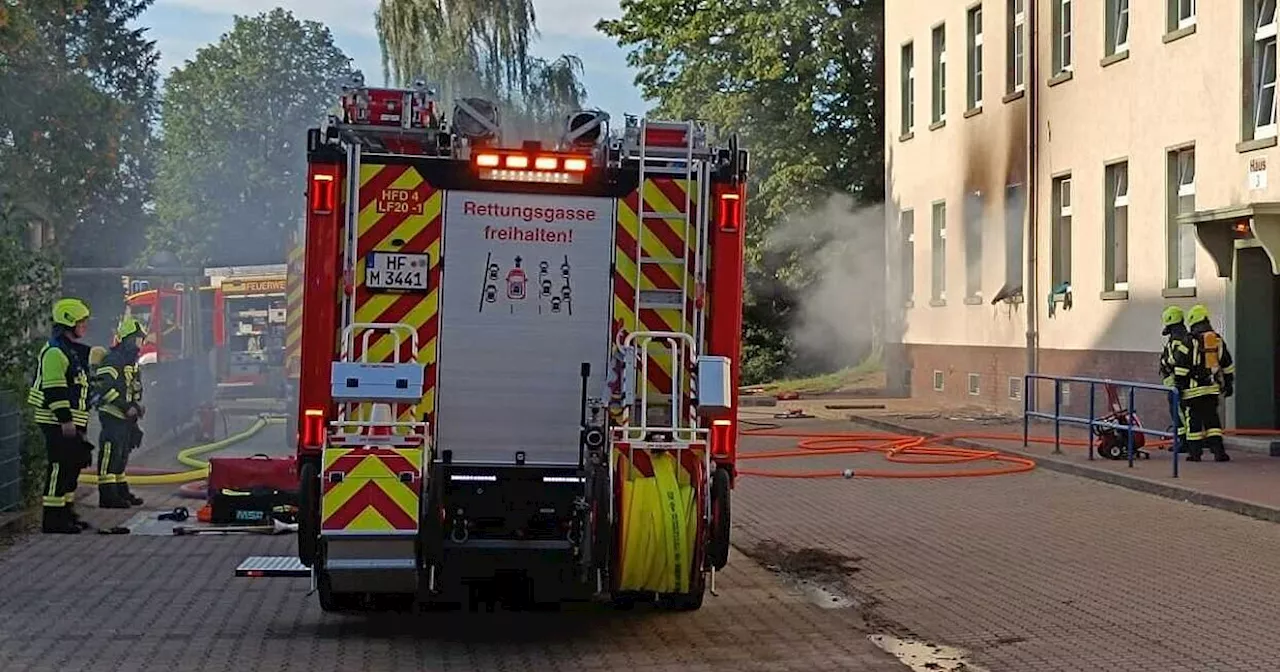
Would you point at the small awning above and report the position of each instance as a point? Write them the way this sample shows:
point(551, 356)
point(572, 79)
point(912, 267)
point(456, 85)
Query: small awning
point(1220, 229)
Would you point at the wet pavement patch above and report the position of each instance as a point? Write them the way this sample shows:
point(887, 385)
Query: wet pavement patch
point(923, 656)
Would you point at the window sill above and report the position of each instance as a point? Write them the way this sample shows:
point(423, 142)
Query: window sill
point(937, 303)
point(1179, 34)
point(975, 300)
point(973, 112)
point(1255, 145)
point(1122, 295)
point(1178, 292)
point(1061, 77)
point(905, 137)
point(1016, 95)
point(1115, 58)
point(937, 124)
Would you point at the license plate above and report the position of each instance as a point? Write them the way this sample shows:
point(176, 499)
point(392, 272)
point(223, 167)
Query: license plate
point(394, 271)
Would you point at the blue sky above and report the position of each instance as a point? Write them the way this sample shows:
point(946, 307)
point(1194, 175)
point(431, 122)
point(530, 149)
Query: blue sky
point(180, 27)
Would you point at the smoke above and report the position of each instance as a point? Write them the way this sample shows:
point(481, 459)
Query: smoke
point(840, 308)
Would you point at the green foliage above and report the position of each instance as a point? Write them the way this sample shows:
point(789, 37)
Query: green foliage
point(234, 126)
point(480, 48)
point(801, 81)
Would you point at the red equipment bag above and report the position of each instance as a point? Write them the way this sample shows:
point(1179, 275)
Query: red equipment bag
point(257, 471)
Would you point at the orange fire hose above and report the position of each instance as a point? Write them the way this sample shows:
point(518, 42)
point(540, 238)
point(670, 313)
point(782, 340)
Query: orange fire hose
point(910, 449)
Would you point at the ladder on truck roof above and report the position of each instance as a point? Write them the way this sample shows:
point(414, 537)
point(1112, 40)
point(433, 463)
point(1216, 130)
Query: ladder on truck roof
point(669, 149)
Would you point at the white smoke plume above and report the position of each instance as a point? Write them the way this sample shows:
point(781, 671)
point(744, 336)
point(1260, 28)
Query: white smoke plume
point(840, 312)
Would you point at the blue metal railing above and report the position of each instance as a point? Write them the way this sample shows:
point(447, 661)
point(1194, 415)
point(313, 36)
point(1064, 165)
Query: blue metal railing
point(1028, 388)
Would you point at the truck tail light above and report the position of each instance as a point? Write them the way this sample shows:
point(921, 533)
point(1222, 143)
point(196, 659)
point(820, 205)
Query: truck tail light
point(518, 161)
point(546, 163)
point(575, 165)
point(488, 160)
point(721, 439)
point(313, 428)
point(730, 212)
point(323, 193)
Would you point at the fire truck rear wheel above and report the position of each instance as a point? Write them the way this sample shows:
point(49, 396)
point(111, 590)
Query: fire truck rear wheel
point(721, 519)
point(691, 601)
point(333, 602)
point(308, 511)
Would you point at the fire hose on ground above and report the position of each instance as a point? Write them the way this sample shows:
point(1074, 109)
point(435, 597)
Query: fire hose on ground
point(192, 479)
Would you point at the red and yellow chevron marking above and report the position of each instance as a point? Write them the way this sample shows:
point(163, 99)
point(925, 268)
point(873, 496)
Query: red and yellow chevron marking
point(403, 232)
point(659, 238)
point(293, 311)
point(371, 497)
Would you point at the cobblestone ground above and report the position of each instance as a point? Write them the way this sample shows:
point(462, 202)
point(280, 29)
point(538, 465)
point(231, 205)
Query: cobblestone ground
point(1036, 571)
point(148, 603)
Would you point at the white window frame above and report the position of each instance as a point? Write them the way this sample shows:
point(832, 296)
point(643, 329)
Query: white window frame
point(938, 253)
point(939, 381)
point(1018, 43)
point(909, 89)
point(1121, 19)
point(1186, 16)
point(973, 21)
point(1015, 388)
point(909, 240)
point(1065, 18)
point(1185, 188)
point(1120, 200)
point(1264, 40)
point(1064, 187)
point(1064, 212)
point(939, 73)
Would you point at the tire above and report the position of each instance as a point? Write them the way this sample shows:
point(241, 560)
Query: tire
point(337, 603)
point(691, 601)
point(721, 519)
point(308, 512)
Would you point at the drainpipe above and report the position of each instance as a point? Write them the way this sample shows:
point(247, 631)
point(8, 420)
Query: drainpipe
point(1032, 179)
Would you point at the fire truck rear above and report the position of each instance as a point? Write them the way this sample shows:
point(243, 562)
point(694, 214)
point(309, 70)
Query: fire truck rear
point(551, 414)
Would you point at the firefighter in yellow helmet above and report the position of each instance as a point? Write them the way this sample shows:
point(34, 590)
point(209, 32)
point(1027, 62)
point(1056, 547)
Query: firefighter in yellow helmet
point(116, 380)
point(1175, 359)
point(60, 396)
point(1213, 373)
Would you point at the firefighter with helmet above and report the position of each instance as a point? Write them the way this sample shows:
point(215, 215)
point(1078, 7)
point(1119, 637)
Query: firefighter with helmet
point(1213, 373)
point(1175, 360)
point(60, 396)
point(120, 408)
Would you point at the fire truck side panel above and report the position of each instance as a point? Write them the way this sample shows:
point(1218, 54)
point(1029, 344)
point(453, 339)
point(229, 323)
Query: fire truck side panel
point(399, 212)
point(526, 302)
point(293, 309)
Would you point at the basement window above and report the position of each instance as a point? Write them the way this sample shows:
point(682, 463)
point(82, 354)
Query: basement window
point(975, 384)
point(937, 381)
point(1015, 388)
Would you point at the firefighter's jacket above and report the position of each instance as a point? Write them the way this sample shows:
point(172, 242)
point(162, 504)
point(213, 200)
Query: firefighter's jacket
point(1211, 364)
point(118, 383)
point(60, 391)
point(1176, 358)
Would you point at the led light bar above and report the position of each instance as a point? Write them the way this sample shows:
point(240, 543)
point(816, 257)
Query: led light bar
point(544, 176)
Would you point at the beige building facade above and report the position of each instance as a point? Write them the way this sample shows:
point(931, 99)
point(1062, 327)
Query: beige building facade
point(1060, 170)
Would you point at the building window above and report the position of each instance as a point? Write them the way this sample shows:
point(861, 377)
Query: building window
point(1182, 14)
point(939, 292)
point(937, 380)
point(1015, 388)
point(907, 223)
point(975, 384)
point(1062, 49)
point(1264, 69)
point(975, 57)
point(908, 89)
point(1182, 200)
point(1016, 51)
point(1117, 227)
point(1117, 27)
point(1061, 238)
point(939, 74)
point(974, 209)
point(1015, 210)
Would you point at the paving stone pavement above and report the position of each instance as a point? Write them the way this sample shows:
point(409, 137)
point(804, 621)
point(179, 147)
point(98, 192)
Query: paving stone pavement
point(1035, 571)
point(145, 603)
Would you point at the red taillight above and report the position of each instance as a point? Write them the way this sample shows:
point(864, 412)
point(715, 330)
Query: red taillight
point(488, 160)
point(517, 161)
point(665, 137)
point(575, 165)
point(721, 439)
point(323, 193)
point(313, 428)
point(546, 163)
point(730, 212)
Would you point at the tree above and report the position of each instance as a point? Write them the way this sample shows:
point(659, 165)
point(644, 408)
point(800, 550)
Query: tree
point(234, 123)
point(479, 48)
point(801, 81)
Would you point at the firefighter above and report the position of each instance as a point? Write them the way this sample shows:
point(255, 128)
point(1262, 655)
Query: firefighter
point(119, 411)
point(1213, 375)
point(60, 395)
point(1175, 361)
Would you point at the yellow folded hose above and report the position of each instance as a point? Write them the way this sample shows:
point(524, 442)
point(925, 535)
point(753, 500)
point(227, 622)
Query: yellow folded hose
point(187, 456)
point(659, 526)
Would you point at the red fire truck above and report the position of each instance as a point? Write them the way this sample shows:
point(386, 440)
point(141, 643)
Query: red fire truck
point(552, 415)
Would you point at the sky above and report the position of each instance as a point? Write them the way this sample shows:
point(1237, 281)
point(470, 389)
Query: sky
point(180, 27)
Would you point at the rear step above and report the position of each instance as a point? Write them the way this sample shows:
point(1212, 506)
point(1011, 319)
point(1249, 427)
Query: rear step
point(269, 566)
